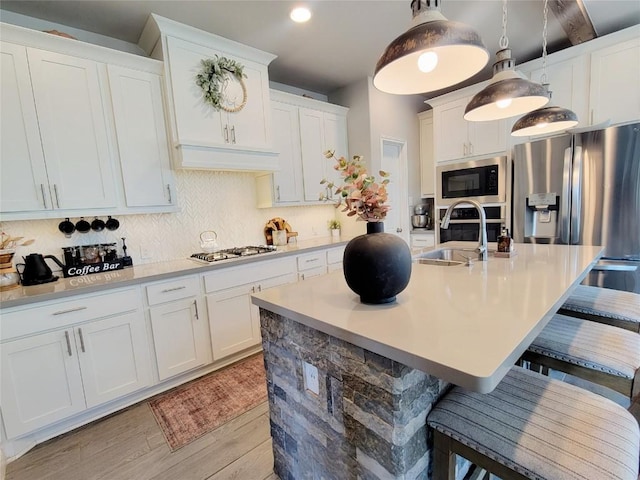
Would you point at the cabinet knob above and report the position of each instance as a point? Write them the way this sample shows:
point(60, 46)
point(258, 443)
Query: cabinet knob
point(398, 230)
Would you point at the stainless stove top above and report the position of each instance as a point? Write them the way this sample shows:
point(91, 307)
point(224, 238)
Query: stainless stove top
point(231, 253)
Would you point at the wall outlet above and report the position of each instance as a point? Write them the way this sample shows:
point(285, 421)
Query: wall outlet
point(145, 253)
point(311, 381)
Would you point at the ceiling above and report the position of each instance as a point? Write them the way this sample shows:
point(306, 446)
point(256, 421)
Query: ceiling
point(342, 41)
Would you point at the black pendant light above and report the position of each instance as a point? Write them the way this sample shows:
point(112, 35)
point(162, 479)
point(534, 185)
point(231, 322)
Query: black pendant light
point(548, 119)
point(433, 54)
point(509, 93)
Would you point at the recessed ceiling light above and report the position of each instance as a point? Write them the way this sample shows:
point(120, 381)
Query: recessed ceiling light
point(300, 14)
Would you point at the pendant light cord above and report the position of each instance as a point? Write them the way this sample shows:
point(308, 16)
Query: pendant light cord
point(543, 79)
point(504, 41)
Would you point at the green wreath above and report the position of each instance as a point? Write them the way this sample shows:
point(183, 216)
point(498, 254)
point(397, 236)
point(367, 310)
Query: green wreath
point(212, 77)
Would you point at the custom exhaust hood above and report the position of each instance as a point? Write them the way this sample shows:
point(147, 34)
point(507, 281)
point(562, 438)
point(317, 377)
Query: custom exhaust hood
point(217, 98)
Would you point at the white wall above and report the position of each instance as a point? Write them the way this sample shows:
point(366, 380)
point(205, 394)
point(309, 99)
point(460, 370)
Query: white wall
point(220, 201)
point(372, 115)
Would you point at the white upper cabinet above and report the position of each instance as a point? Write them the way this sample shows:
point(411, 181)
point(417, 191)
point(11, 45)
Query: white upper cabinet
point(320, 131)
point(569, 84)
point(142, 138)
point(303, 129)
point(83, 130)
point(457, 138)
point(287, 182)
point(615, 83)
point(24, 185)
point(73, 129)
point(203, 136)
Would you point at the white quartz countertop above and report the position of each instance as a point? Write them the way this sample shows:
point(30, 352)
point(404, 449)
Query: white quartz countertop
point(65, 287)
point(466, 325)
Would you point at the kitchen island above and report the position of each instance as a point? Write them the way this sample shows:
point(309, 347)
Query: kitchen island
point(350, 384)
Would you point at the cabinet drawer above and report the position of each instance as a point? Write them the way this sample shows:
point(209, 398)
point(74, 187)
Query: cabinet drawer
point(312, 260)
point(312, 272)
point(245, 274)
point(334, 255)
point(25, 321)
point(175, 289)
point(422, 241)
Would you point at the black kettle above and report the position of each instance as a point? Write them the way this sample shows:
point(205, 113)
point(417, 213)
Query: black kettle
point(35, 270)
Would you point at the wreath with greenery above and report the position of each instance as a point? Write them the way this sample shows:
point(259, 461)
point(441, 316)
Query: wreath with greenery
point(213, 77)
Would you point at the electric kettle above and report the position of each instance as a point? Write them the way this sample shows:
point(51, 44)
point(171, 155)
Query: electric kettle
point(35, 270)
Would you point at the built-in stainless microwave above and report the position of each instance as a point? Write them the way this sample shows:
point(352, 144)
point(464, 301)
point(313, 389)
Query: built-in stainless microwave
point(482, 180)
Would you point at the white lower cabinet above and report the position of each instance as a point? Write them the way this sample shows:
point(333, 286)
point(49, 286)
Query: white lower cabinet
point(50, 376)
point(179, 326)
point(423, 240)
point(334, 259)
point(233, 319)
point(312, 265)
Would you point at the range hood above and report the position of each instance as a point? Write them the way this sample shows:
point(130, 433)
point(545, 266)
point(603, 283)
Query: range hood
point(236, 137)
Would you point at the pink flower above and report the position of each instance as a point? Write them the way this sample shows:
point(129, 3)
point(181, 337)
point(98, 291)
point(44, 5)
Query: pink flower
point(360, 193)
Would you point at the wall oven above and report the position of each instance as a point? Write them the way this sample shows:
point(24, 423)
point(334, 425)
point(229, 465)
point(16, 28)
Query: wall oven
point(482, 180)
point(465, 224)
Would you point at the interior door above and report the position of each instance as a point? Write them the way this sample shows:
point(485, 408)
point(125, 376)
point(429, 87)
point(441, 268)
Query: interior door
point(394, 161)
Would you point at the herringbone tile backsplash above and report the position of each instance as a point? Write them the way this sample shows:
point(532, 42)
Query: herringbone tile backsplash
point(221, 201)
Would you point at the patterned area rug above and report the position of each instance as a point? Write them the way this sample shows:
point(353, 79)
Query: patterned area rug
point(189, 411)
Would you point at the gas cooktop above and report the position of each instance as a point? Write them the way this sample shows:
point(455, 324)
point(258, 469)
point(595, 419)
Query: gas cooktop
point(231, 253)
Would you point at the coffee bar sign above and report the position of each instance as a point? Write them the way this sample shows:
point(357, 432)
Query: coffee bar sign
point(89, 268)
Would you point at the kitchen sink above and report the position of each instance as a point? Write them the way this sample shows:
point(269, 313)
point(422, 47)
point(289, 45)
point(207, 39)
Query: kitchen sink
point(440, 262)
point(446, 257)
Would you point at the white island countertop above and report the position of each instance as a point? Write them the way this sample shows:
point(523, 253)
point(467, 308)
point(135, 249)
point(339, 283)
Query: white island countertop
point(466, 325)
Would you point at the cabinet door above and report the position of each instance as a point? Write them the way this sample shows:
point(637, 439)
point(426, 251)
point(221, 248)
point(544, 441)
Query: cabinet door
point(230, 317)
point(196, 122)
point(73, 128)
point(250, 127)
point(450, 130)
point(569, 85)
point(287, 182)
point(335, 138)
point(427, 164)
point(486, 137)
point(23, 183)
point(180, 337)
point(312, 147)
point(142, 137)
point(114, 357)
point(615, 77)
point(41, 381)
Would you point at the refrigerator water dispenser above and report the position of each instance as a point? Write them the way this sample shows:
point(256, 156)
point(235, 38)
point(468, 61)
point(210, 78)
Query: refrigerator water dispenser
point(541, 217)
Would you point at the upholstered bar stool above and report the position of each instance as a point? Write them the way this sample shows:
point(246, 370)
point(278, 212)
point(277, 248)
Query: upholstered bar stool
point(532, 426)
point(613, 307)
point(598, 353)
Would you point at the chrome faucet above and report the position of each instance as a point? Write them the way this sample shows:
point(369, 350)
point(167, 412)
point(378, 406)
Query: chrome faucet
point(482, 237)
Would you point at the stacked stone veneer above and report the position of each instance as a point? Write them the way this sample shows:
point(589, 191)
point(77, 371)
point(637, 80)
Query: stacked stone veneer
point(368, 421)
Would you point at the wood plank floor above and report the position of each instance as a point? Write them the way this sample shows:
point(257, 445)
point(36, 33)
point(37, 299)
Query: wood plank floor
point(129, 445)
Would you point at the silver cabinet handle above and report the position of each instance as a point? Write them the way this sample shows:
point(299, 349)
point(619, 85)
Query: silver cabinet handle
point(71, 310)
point(66, 337)
point(398, 230)
point(470, 148)
point(233, 134)
point(226, 134)
point(302, 276)
point(253, 289)
point(259, 288)
point(44, 199)
point(464, 149)
point(167, 290)
point(169, 192)
point(81, 340)
point(55, 190)
point(195, 304)
point(278, 192)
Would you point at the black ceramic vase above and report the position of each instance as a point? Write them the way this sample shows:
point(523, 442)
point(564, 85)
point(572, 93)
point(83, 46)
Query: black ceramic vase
point(377, 265)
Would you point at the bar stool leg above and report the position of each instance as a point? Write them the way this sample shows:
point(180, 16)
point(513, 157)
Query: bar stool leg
point(444, 460)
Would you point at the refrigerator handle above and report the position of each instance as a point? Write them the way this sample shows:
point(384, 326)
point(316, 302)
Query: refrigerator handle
point(565, 203)
point(576, 196)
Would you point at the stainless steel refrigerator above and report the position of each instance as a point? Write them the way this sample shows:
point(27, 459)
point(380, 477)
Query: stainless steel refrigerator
point(583, 189)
